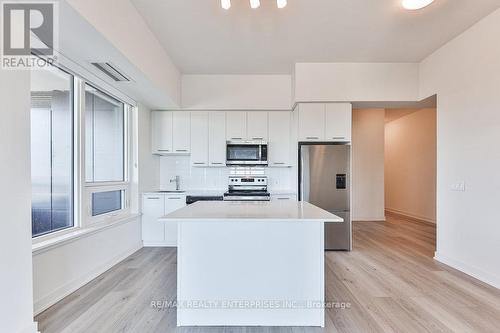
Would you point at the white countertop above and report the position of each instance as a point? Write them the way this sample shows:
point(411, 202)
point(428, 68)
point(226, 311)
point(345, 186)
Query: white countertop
point(202, 192)
point(268, 210)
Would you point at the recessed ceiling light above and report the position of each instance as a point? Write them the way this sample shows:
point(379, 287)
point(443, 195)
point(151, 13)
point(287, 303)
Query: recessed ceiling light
point(281, 3)
point(255, 4)
point(226, 4)
point(416, 4)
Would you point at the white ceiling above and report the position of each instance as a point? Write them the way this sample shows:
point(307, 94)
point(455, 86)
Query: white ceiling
point(202, 38)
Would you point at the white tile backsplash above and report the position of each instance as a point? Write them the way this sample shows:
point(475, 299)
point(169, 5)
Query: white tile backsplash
point(215, 178)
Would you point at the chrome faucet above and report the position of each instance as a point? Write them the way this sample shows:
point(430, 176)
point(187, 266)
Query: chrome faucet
point(177, 180)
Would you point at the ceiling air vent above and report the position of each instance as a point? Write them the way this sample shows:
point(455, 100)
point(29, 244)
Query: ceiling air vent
point(112, 71)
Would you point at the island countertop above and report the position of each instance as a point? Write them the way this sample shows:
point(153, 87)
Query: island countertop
point(267, 210)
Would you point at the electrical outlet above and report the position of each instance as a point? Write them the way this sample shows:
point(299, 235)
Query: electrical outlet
point(458, 187)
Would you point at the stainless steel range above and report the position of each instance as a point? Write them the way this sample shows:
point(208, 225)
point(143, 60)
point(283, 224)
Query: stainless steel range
point(247, 188)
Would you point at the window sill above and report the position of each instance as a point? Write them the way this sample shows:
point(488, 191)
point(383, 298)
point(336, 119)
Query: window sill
point(57, 241)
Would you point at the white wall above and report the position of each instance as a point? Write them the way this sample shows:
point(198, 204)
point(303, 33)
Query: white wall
point(16, 302)
point(465, 74)
point(368, 165)
point(233, 92)
point(60, 270)
point(355, 82)
point(125, 28)
point(410, 165)
point(148, 164)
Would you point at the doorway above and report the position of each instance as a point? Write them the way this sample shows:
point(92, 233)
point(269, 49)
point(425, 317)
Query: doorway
point(410, 167)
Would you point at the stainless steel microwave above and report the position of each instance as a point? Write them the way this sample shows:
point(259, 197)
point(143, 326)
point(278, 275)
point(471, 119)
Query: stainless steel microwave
point(246, 153)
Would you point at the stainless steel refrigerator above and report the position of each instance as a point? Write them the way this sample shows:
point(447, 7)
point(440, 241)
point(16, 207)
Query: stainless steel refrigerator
point(324, 181)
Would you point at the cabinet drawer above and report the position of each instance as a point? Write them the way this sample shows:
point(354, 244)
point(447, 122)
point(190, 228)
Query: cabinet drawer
point(283, 197)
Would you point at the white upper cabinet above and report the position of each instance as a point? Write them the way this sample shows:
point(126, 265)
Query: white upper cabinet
point(242, 125)
point(181, 132)
point(312, 122)
point(279, 139)
point(161, 122)
point(217, 139)
point(325, 122)
point(338, 122)
point(236, 125)
point(170, 132)
point(199, 138)
point(257, 126)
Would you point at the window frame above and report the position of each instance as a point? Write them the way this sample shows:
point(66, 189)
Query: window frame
point(82, 190)
point(88, 188)
point(74, 156)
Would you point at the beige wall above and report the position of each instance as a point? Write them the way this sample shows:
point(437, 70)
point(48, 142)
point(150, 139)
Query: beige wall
point(368, 165)
point(410, 165)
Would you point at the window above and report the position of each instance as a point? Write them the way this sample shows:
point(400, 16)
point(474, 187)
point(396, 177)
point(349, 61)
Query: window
point(105, 154)
point(107, 202)
point(79, 154)
point(104, 137)
point(51, 150)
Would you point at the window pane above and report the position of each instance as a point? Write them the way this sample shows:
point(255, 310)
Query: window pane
point(104, 137)
point(106, 202)
point(51, 150)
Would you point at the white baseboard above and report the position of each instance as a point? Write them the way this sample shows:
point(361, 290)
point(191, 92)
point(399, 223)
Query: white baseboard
point(47, 301)
point(369, 219)
point(475, 272)
point(31, 328)
point(411, 216)
point(158, 244)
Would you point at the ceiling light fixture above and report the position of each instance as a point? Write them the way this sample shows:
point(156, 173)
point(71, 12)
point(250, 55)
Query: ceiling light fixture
point(281, 3)
point(226, 4)
point(416, 4)
point(255, 4)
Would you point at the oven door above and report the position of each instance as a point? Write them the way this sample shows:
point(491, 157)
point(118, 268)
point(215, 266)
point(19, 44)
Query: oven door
point(246, 154)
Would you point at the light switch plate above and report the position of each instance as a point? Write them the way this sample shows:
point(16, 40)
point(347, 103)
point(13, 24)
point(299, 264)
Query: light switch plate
point(458, 187)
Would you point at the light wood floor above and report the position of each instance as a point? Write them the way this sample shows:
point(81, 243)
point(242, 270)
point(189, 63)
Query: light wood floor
point(390, 280)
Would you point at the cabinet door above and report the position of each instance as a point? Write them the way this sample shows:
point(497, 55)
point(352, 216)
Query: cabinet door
point(199, 139)
point(257, 126)
point(283, 197)
point(181, 132)
point(279, 139)
point(338, 122)
point(172, 203)
point(162, 132)
point(236, 125)
point(217, 139)
point(312, 122)
point(153, 207)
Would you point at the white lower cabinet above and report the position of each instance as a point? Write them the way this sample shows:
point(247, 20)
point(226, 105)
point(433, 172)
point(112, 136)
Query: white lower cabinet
point(154, 206)
point(172, 203)
point(283, 197)
point(153, 231)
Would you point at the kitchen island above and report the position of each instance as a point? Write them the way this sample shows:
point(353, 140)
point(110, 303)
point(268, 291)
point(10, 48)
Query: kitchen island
point(250, 263)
